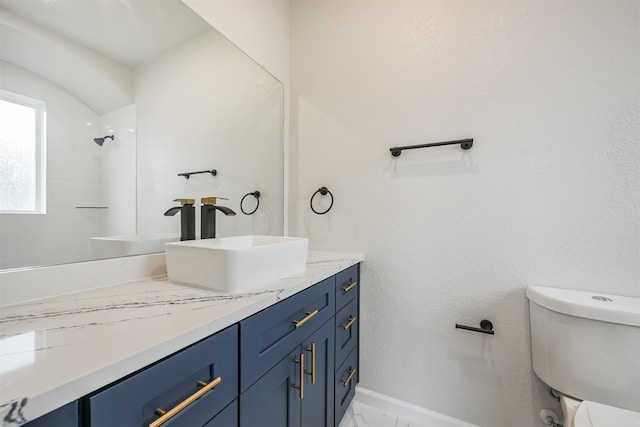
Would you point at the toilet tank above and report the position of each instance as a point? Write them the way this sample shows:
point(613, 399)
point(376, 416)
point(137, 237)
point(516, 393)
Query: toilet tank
point(587, 345)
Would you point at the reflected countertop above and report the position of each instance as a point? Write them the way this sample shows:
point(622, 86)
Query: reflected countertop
point(56, 350)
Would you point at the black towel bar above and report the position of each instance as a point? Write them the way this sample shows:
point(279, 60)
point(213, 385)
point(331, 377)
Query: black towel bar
point(187, 175)
point(465, 144)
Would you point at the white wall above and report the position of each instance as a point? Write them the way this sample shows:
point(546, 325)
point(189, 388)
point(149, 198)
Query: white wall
point(118, 172)
point(204, 105)
point(73, 179)
point(260, 28)
point(549, 194)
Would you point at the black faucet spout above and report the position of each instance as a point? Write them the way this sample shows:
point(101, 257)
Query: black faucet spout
point(173, 211)
point(208, 216)
point(187, 218)
point(225, 210)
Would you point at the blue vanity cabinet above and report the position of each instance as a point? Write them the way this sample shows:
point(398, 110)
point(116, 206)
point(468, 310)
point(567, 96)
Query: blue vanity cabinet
point(197, 383)
point(269, 335)
point(294, 363)
point(347, 333)
point(298, 390)
point(288, 361)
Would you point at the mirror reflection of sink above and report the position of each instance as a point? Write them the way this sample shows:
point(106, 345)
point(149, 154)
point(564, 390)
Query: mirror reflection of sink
point(135, 244)
point(233, 264)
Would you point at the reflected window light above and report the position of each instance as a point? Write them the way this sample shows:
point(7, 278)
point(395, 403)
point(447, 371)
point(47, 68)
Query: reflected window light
point(17, 351)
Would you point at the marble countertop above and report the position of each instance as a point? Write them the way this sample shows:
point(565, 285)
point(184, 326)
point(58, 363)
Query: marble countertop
point(56, 350)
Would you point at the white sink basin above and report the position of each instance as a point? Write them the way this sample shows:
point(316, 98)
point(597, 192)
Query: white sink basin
point(233, 264)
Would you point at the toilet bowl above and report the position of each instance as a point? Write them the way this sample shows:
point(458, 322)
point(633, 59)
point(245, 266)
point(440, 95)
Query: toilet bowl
point(592, 414)
point(587, 346)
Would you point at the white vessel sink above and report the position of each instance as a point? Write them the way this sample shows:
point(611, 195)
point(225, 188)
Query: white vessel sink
point(233, 264)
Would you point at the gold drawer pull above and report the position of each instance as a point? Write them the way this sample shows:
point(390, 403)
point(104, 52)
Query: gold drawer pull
point(350, 286)
point(348, 380)
point(309, 314)
point(351, 321)
point(301, 386)
point(167, 415)
point(312, 373)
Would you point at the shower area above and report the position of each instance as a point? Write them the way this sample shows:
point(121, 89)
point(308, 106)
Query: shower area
point(90, 185)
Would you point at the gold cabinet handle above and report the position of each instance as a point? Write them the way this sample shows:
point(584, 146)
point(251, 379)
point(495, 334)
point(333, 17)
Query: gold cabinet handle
point(167, 415)
point(351, 321)
point(309, 315)
point(348, 380)
point(313, 363)
point(301, 386)
point(350, 286)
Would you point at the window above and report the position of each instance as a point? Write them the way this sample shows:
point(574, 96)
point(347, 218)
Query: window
point(22, 154)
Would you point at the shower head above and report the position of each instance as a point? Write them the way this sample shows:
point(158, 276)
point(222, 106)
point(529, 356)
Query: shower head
point(100, 141)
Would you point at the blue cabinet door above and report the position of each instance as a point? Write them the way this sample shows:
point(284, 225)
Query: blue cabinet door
point(318, 402)
point(274, 400)
point(267, 336)
point(227, 418)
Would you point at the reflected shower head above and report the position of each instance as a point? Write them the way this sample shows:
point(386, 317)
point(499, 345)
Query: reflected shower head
point(100, 141)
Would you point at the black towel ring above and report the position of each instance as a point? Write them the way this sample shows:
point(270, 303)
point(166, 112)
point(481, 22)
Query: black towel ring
point(323, 191)
point(255, 194)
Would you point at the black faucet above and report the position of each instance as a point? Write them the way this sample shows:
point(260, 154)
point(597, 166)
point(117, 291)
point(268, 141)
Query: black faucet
point(187, 218)
point(208, 216)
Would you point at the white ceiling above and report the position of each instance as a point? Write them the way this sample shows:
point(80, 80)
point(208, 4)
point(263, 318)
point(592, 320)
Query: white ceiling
point(128, 31)
point(90, 47)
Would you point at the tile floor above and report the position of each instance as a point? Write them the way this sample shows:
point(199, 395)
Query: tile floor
point(361, 415)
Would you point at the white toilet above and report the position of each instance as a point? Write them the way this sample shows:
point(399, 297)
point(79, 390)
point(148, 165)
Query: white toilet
point(586, 347)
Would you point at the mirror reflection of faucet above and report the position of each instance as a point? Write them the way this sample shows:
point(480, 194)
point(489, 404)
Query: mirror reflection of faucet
point(187, 218)
point(208, 216)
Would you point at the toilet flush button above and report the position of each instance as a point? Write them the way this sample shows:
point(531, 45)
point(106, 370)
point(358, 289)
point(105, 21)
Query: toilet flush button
point(601, 298)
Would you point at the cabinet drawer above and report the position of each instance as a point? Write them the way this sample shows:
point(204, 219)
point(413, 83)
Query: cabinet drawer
point(133, 401)
point(347, 331)
point(347, 285)
point(268, 336)
point(345, 384)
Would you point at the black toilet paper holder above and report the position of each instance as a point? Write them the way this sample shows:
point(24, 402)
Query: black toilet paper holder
point(486, 327)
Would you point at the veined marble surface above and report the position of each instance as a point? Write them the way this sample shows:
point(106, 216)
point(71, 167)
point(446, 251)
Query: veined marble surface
point(56, 350)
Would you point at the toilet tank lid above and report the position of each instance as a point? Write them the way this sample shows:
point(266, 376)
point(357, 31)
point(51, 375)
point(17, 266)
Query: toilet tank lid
point(590, 305)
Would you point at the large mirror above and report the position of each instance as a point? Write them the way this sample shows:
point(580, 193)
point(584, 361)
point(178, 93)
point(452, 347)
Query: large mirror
point(175, 95)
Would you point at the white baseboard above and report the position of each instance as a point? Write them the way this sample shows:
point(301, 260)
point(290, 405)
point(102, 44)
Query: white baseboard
point(415, 414)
